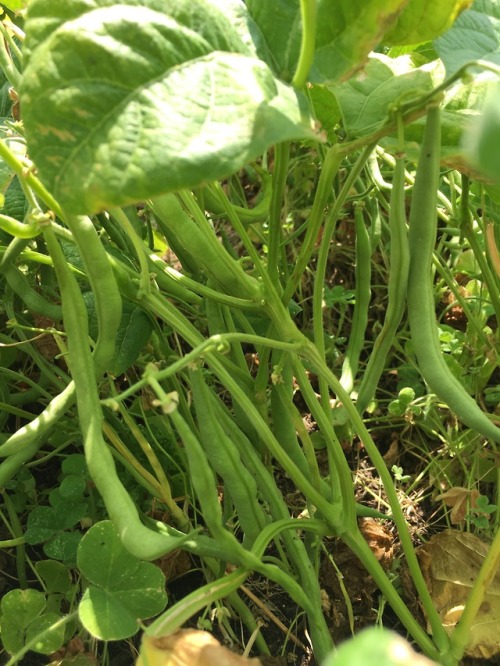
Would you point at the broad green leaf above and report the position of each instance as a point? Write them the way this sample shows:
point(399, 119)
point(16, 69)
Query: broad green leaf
point(326, 109)
point(122, 588)
point(42, 524)
point(224, 24)
point(460, 113)
point(475, 35)
point(15, 202)
point(75, 464)
point(424, 20)
point(73, 487)
point(279, 22)
point(347, 31)
point(367, 101)
point(124, 102)
point(19, 609)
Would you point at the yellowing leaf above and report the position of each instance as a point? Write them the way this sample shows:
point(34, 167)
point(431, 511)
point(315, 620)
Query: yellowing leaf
point(188, 647)
point(424, 20)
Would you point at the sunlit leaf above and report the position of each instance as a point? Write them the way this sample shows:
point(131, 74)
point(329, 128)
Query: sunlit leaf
point(482, 142)
point(368, 99)
point(376, 646)
point(14, 5)
point(424, 20)
point(124, 102)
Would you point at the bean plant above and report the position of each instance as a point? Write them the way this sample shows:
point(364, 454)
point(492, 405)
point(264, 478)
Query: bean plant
point(150, 230)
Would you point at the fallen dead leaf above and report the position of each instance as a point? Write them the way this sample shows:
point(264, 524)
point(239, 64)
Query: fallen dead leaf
point(379, 539)
point(188, 647)
point(450, 563)
point(461, 501)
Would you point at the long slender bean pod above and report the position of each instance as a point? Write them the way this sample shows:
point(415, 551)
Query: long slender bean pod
point(421, 307)
point(136, 537)
point(398, 279)
point(362, 302)
point(41, 425)
point(181, 612)
point(195, 238)
point(34, 301)
point(19, 229)
point(225, 460)
point(108, 302)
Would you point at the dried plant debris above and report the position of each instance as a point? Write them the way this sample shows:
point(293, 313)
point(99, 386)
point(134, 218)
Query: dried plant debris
point(189, 647)
point(450, 562)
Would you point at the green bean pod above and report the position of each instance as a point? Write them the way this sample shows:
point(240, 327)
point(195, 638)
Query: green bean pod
point(34, 301)
point(362, 302)
point(259, 213)
point(202, 249)
point(398, 279)
point(226, 462)
point(19, 229)
point(136, 537)
point(421, 306)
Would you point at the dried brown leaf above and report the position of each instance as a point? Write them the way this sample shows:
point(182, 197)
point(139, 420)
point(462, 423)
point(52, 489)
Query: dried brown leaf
point(450, 563)
point(461, 500)
point(379, 539)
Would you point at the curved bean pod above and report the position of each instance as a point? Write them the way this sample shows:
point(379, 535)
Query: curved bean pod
point(398, 279)
point(421, 307)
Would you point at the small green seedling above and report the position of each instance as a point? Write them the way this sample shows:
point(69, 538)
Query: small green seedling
point(481, 512)
point(398, 474)
point(54, 525)
point(31, 618)
point(121, 589)
point(403, 405)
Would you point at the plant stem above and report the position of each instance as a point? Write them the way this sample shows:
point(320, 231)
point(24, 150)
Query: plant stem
point(356, 542)
point(466, 226)
point(281, 159)
point(440, 637)
point(323, 192)
point(307, 44)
